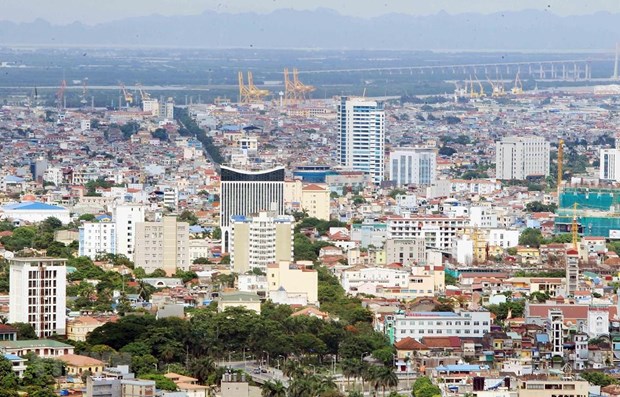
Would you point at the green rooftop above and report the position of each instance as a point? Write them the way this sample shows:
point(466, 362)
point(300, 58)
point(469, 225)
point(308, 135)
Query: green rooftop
point(32, 343)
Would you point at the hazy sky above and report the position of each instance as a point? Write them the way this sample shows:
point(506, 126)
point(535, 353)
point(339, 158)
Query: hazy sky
point(96, 11)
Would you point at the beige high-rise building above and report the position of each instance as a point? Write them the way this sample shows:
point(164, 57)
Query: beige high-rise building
point(257, 241)
point(162, 245)
point(313, 198)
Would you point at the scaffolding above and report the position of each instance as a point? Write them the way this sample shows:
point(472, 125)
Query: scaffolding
point(596, 210)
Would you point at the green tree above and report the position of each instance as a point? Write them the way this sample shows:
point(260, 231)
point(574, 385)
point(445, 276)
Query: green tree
point(50, 224)
point(531, 237)
point(216, 234)
point(273, 389)
point(423, 387)
point(189, 217)
point(25, 331)
point(537, 206)
point(161, 382)
point(8, 379)
point(87, 218)
point(599, 379)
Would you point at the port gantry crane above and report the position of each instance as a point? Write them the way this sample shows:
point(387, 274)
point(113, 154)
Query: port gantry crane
point(144, 96)
point(295, 90)
point(518, 86)
point(497, 87)
point(250, 93)
point(128, 95)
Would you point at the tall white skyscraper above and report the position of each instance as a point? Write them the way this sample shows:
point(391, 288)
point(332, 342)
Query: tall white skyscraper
point(126, 216)
point(609, 168)
point(37, 294)
point(521, 157)
point(247, 192)
point(361, 136)
point(413, 166)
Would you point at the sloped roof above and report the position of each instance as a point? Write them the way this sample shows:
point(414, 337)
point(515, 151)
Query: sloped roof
point(33, 206)
point(409, 343)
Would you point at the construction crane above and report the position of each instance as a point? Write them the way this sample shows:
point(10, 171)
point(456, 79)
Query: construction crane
point(497, 88)
point(128, 95)
point(60, 94)
point(482, 94)
point(83, 100)
point(518, 86)
point(472, 93)
point(250, 93)
point(560, 165)
point(144, 96)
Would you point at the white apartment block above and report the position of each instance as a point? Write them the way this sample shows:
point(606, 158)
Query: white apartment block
point(258, 241)
point(361, 136)
point(482, 217)
point(162, 245)
point(437, 231)
point(413, 166)
point(505, 238)
point(609, 168)
point(358, 277)
point(417, 325)
point(96, 238)
point(126, 216)
point(37, 294)
point(521, 157)
point(198, 248)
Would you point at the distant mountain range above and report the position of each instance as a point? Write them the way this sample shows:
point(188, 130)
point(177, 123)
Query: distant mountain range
point(326, 29)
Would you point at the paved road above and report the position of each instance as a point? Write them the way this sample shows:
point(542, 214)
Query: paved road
point(249, 366)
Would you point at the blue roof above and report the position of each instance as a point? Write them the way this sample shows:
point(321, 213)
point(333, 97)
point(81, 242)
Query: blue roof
point(102, 217)
point(542, 338)
point(458, 368)
point(12, 357)
point(231, 128)
point(196, 229)
point(13, 178)
point(33, 206)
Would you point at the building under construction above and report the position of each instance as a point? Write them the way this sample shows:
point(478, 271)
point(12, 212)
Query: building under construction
point(596, 211)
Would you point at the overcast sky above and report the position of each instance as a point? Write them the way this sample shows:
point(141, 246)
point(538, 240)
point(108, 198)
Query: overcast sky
point(96, 11)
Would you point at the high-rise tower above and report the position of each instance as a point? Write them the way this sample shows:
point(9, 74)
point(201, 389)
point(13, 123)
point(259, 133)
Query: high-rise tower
point(361, 136)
